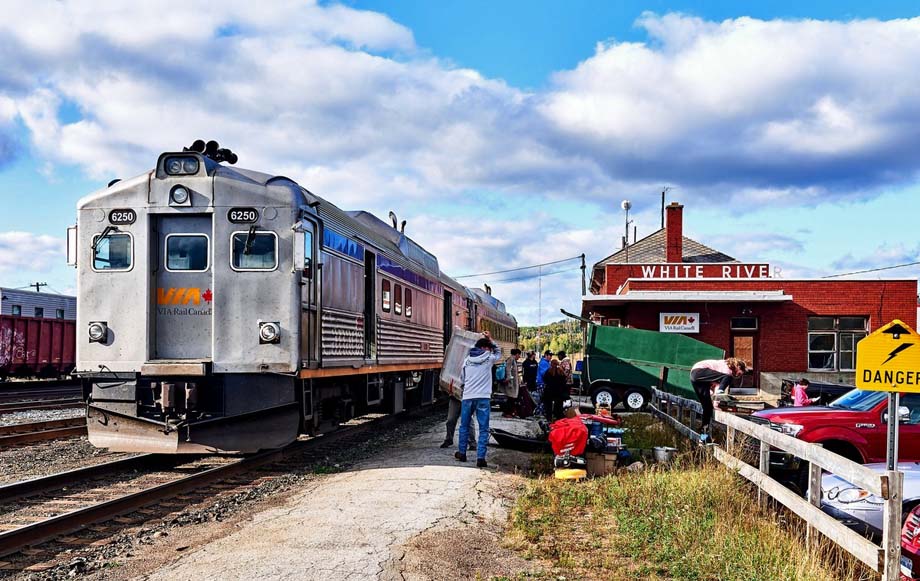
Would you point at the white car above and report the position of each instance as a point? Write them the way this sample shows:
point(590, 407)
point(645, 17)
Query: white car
point(860, 510)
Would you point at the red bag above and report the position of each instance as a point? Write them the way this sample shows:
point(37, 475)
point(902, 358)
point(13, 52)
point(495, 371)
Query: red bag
point(568, 433)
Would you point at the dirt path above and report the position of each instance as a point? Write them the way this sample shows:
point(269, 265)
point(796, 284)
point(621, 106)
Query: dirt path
point(412, 512)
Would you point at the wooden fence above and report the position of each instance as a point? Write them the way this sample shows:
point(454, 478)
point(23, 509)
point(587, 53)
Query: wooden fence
point(681, 414)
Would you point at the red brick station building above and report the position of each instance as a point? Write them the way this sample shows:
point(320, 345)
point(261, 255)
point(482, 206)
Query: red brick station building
point(783, 328)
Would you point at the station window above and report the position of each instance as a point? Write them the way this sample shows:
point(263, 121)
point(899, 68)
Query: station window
point(385, 296)
point(409, 303)
point(112, 252)
point(744, 323)
point(254, 250)
point(832, 342)
point(397, 299)
point(187, 252)
point(16, 310)
point(59, 314)
point(39, 312)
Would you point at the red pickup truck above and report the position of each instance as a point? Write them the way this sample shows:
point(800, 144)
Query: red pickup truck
point(854, 425)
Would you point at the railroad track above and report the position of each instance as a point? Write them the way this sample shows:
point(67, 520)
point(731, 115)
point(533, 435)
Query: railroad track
point(39, 510)
point(15, 391)
point(39, 431)
point(24, 406)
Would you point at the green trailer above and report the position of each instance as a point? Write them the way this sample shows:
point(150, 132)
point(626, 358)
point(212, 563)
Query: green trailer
point(622, 364)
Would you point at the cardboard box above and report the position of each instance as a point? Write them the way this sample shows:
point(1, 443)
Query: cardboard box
point(600, 464)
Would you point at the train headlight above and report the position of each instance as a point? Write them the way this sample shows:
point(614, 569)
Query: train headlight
point(179, 195)
point(181, 165)
point(269, 332)
point(98, 331)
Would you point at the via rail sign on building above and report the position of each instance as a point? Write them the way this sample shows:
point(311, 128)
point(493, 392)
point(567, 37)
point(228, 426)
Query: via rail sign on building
point(889, 359)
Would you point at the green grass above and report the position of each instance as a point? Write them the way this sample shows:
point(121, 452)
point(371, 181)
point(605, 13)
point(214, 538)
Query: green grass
point(692, 520)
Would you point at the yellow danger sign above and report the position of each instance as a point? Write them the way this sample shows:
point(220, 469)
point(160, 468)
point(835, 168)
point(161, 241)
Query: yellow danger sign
point(889, 359)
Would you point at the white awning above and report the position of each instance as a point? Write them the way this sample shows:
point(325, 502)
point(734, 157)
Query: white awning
point(688, 297)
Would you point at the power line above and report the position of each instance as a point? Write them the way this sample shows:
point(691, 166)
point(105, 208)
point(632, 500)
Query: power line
point(872, 269)
point(540, 275)
point(520, 268)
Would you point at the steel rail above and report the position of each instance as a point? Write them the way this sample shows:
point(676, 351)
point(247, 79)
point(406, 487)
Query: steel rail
point(27, 428)
point(9, 408)
point(41, 436)
point(14, 540)
point(36, 486)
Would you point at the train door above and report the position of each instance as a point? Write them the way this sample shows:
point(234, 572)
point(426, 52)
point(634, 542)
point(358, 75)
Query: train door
point(448, 315)
point(370, 305)
point(184, 281)
point(310, 285)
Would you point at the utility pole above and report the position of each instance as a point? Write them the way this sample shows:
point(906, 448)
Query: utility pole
point(664, 191)
point(540, 309)
point(38, 286)
point(584, 288)
point(626, 205)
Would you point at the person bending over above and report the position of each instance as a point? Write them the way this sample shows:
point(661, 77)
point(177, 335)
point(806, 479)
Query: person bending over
point(713, 375)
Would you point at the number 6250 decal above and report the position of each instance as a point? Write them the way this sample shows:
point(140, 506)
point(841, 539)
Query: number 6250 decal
point(243, 215)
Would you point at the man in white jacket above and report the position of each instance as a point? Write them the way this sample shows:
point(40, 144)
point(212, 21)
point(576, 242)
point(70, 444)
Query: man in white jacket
point(476, 377)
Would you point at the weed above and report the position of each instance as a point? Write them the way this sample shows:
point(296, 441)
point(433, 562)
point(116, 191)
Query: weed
point(692, 520)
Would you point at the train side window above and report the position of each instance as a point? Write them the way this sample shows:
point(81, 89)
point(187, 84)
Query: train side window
point(112, 252)
point(397, 299)
point(308, 254)
point(409, 303)
point(187, 252)
point(385, 297)
point(254, 250)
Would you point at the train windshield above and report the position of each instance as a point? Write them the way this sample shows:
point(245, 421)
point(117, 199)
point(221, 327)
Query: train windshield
point(254, 251)
point(187, 252)
point(113, 252)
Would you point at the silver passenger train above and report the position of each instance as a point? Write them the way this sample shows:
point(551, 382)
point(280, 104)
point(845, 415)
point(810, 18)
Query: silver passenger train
point(223, 310)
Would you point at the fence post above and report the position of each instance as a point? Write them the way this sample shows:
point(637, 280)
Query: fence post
point(814, 497)
point(765, 468)
point(730, 440)
point(891, 527)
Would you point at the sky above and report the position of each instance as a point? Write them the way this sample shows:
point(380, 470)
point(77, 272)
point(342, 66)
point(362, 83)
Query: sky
point(505, 133)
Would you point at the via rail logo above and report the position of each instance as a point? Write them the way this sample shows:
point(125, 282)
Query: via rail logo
point(183, 301)
point(679, 322)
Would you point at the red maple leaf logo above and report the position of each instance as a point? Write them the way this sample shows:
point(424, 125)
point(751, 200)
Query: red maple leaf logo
point(691, 319)
point(207, 295)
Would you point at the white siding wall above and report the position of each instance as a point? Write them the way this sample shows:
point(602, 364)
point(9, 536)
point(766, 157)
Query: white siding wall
point(28, 300)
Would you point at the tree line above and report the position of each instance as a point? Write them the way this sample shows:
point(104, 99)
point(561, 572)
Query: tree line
point(564, 335)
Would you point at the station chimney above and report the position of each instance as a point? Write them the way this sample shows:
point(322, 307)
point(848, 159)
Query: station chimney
point(674, 230)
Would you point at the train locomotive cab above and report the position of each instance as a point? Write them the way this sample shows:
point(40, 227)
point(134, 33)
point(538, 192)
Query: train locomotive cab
point(222, 310)
point(188, 323)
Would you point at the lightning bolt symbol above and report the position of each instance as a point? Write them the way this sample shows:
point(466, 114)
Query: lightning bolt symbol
point(897, 350)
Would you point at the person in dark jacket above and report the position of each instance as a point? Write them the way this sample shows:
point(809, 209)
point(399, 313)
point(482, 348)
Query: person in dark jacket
point(529, 367)
point(554, 391)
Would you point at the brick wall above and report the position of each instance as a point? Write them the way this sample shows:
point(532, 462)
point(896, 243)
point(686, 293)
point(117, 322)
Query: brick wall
point(781, 342)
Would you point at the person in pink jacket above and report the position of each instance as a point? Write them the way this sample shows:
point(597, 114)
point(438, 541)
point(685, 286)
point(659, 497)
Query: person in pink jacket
point(799, 396)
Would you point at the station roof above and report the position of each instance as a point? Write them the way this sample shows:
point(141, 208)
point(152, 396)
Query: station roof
point(653, 249)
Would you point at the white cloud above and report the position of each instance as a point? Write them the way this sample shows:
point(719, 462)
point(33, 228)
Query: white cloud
point(24, 251)
point(758, 113)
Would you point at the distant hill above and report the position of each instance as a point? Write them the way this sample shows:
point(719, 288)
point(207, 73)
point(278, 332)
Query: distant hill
point(559, 335)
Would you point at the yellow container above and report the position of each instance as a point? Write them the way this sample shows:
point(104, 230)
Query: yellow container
point(570, 474)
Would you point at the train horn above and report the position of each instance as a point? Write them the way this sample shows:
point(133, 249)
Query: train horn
point(393, 218)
